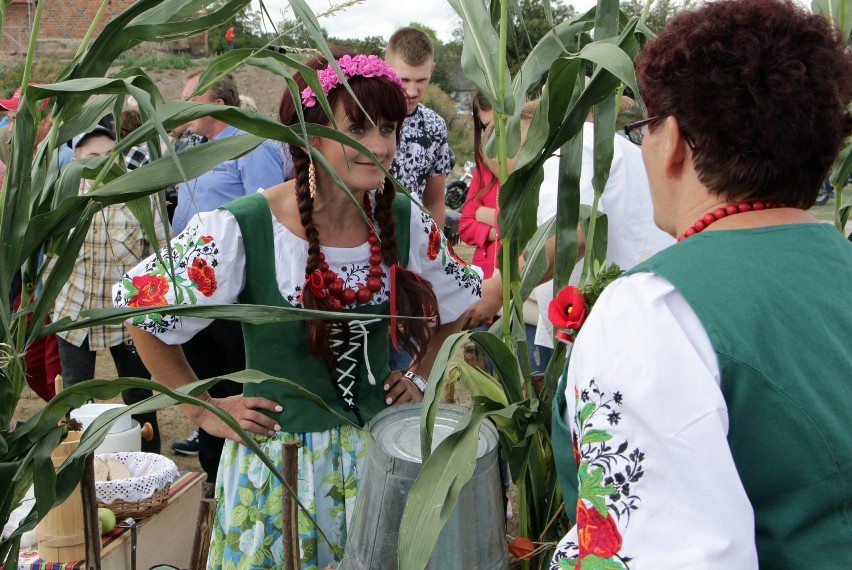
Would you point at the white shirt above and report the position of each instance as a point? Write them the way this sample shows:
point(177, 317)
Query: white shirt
point(632, 235)
point(210, 269)
point(645, 374)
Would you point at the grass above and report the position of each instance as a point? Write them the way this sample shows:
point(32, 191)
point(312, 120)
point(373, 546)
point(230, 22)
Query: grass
point(156, 62)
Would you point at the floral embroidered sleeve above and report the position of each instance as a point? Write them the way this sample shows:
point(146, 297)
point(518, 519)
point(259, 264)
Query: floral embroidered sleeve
point(657, 484)
point(457, 285)
point(206, 267)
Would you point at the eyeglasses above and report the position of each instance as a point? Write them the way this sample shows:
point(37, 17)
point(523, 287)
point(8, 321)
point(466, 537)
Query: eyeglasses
point(637, 130)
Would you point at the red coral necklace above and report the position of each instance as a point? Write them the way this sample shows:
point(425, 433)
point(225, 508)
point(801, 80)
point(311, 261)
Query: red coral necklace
point(325, 283)
point(726, 211)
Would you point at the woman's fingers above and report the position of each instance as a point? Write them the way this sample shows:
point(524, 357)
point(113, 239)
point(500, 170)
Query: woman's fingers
point(399, 390)
point(246, 411)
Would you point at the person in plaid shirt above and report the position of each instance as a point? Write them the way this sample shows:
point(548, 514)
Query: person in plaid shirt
point(115, 243)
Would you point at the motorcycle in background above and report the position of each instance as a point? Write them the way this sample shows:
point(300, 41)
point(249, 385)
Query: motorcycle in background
point(454, 197)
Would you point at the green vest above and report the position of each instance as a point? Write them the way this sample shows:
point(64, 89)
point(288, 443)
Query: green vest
point(282, 349)
point(776, 303)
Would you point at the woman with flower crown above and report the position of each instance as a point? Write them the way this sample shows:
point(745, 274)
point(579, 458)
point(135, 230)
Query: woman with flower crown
point(305, 244)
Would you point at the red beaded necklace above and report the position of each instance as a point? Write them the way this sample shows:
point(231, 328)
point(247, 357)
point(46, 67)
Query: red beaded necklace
point(726, 211)
point(325, 283)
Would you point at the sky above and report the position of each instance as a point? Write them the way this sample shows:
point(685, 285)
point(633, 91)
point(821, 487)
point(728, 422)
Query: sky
point(383, 17)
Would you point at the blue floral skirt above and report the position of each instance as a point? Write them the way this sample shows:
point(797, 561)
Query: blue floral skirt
point(247, 530)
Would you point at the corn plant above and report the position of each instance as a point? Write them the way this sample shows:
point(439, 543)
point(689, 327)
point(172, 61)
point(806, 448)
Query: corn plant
point(839, 12)
point(507, 398)
point(40, 206)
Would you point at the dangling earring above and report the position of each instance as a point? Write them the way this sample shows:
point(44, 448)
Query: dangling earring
point(381, 187)
point(312, 180)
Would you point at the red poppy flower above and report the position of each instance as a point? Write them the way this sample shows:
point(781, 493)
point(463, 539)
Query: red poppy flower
point(434, 242)
point(521, 548)
point(151, 291)
point(597, 535)
point(206, 239)
point(568, 309)
point(203, 276)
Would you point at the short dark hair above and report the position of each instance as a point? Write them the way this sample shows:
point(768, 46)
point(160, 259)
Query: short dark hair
point(411, 44)
point(760, 88)
point(225, 89)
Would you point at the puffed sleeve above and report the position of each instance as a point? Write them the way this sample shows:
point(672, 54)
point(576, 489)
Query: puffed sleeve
point(208, 261)
point(656, 478)
point(457, 285)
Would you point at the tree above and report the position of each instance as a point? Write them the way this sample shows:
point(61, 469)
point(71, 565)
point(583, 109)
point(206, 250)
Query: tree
point(661, 11)
point(292, 33)
point(531, 25)
point(247, 32)
point(371, 45)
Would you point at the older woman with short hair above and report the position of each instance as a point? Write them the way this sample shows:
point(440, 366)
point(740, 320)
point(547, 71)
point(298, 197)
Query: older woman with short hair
point(708, 393)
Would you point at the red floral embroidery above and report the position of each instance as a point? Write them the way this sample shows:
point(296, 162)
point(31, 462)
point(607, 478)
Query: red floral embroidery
point(206, 239)
point(203, 276)
point(151, 291)
point(596, 535)
point(434, 243)
point(522, 548)
point(568, 309)
point(576, 447)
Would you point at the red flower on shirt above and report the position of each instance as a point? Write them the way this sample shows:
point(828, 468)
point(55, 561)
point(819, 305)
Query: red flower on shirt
point(206, 239)
point(203, 276)
point(151, 291)
point(596, 535)
point(568, 309)
point(434, 242)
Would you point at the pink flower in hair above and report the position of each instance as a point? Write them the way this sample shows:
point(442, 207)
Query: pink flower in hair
point(357, 66)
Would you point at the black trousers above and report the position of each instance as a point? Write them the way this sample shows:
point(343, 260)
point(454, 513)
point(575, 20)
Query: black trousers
point(216, 350)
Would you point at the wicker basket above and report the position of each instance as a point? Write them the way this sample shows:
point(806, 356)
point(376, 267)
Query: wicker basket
point(140, 509)
point(145, 493)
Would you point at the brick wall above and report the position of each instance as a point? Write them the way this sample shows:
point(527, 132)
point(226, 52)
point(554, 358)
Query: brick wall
point(63, 25)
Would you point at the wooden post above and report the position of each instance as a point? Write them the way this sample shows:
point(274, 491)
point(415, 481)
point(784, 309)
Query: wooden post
point(290, 508)
point(203, 532)
point(91, 522)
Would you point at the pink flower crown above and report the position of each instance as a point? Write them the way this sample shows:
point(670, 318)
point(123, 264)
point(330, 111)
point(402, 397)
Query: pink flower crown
point(357, 66)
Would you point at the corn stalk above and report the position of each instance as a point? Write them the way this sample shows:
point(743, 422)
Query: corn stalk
point(39, 208)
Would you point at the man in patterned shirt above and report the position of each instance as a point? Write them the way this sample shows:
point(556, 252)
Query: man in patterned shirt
point(424, 156)
point(114, 243)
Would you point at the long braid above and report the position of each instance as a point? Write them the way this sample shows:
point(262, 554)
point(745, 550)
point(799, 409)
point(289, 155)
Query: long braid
point(318, 332)
point(414, 295)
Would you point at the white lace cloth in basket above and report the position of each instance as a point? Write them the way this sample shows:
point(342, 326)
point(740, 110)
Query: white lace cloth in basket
point(149, 473)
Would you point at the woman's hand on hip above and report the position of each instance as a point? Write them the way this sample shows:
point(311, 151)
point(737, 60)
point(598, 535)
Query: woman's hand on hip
point(399, 390)
point(245, 410)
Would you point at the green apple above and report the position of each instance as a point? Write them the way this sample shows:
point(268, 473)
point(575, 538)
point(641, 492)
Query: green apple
point(107, 518)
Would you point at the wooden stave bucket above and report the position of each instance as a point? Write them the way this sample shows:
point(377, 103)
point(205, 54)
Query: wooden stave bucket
point(384, 487)
point(60, 533)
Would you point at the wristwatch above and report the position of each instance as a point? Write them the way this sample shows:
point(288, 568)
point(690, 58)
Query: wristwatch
point(418, 380)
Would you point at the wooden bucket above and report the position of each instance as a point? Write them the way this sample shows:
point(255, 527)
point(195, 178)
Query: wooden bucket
point(474, 537)
point(60, 534)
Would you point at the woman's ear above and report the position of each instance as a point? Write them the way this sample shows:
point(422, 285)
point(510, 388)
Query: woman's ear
point(677, 150)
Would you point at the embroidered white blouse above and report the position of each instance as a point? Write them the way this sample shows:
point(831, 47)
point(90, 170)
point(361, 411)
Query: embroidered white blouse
point(209, 261)
point(658, 486)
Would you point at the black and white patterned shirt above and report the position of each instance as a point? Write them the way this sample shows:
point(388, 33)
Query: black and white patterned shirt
point(424, 151)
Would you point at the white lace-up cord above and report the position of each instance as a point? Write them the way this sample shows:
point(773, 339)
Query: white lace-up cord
point(347, 361)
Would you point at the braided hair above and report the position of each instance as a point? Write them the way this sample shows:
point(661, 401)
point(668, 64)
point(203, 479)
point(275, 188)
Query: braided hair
point(414, 295)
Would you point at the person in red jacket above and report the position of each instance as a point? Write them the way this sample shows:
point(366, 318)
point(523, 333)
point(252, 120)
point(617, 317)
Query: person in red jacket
point(229, 37)
point(478, 221)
